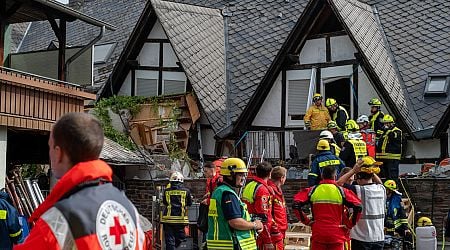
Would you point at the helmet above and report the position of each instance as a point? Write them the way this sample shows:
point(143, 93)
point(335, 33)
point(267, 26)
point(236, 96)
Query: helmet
point(317, 97)
point(387, 118)
point(330, 102)
point(390, 184)
point(323, 145)
point(176, 176)
point(370, 166)
point(424, 221)
point(332, 124)
point(234, 165)
point(351, 125)
point(375, 102)
point(355, 136)
point(362, 119)
point(326, 135)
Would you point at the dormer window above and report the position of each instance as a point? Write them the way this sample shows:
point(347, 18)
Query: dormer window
point(102, 52)
point(437, 85)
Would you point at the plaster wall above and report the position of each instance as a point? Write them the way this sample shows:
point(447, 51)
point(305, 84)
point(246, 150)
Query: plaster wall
point(270, 112)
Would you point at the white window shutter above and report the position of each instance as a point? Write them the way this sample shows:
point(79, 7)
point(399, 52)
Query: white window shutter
point(298, 96)
point(146, 87)
point(173, 87)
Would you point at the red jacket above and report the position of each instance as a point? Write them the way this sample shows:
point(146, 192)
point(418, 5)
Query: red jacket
point(369, 136)
point(211, 184)
point(261, 205)
point(329, 224)
point(64, 218)
point(279, 211)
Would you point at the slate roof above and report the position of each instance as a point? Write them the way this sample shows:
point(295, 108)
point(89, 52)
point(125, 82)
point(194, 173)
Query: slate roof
point(17, 33)
point(121, 13)
point(196, 34)
point(115, 154)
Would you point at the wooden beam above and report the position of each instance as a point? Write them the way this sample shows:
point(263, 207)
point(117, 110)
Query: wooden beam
point(2, 41)
point(62, 51)
point(322, 65)
point(9, 12)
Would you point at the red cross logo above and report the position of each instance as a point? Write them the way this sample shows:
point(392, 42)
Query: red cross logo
point(117, 230)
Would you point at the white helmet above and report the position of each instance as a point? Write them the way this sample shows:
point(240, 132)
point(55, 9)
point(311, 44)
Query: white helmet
point(362, 119)
point(354, 136)
point(326, 135)
point(176, 176)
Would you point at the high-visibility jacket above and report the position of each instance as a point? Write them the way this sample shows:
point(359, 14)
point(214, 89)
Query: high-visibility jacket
point(328, 201)
point(390, 145)
point(396, 220)
point(340, 116)
point(279, 213)
point(335, 149)
point(258, 195)
point(370, 227)
point(220, 235)
point(317, 117)
point(84, 211)
point(323, 159)
point(369, 137)
point(352, 150)
point(176, 199)
point(10, 229)
point(375, 122)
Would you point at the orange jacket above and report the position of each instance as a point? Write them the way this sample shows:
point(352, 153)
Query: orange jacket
point(279, 212)
point(317, 117)
point(86, 211)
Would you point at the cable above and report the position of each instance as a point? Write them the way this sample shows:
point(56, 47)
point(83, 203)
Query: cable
point(413, 209)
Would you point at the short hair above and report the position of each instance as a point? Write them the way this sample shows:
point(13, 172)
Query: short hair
point(364, 176)
point(328, 172)
point(263, 169)
point(80, 136)
point(209, 165)
point(344, 171)
point(278, 172)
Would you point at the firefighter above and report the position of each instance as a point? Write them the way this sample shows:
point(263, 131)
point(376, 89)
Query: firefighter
point(278, 232)
point(376, 116)
point(368, 135)
point(229, 223)
point(354, 148)
point(337, 135)
point(317, 116)
point(389, 148)
point(327, 204)
point(258, 196)
point(176, 198)
point(327, 135)
point(396, 220)
point(337, 112)
point(323, 158)
point(10, 229)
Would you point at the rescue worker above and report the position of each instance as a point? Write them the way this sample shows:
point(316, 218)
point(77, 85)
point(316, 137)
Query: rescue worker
point(176, 198)
point(279, 212)
point(327, 206)
point(229, 223)
point(389, 148)
point(368, 135)
point(354, 148)
point(396, 220)
point(334, 148)
point(368, 232)
point(337, 135)
point(317, 116)
point(212, 179)
point(258, 196)
point(323, 158)
point(337, 112)
point(83, 210)
point(425, 234)
point(10, 229)
point(376, 116)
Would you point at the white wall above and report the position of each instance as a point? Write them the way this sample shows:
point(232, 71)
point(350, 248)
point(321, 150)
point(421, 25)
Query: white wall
point(3, 144)
point(157, 32)
point(314, 51)
point(208, 141)
point(366, 91)
point(424, 149)
point(270, 112)
point(126, 86)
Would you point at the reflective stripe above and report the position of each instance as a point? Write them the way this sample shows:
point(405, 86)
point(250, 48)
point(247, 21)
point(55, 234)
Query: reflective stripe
point(175, 219)
point(385, 155)
point(335, 113)
point(3, 214)
point(16, 234)
point(359, 148)
point(329, 163)
point(59, 227)
point(249, 192)
point(326, 193)
point(337, 149)
point(373, 217)
point(313, 174)
point(389, 156)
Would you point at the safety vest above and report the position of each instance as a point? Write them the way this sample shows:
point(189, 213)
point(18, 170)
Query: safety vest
point(336, 149)
point(388, 150)
point(326, 193)
point(359, 148)
point(168, 215)
point(220, 235)
point(337, 110)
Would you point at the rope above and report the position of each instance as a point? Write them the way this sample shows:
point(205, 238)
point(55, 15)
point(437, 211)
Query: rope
point(413, 209)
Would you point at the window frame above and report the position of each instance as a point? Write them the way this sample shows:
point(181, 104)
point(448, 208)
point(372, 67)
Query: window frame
point(437, 93)
point(107, 55)
point(294, 75)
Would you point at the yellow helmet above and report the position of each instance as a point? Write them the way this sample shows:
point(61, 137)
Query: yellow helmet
point(388, 118)
point(234, 165)
point(375, 102)
point(370, 166)
point(332, 124)
point(317, 97)
point(390, 184)
point(351, 125)
point(323, 145)
point(424, 221)
point(330, 102)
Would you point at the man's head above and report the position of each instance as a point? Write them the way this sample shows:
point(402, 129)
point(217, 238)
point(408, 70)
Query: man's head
point(209, 169)
point(331, 104)
point(317, 99)
point(326, 135)
point(332, 127)
point(351, 126)
point(279, 174)
point(388, 121)
point(233, 171)
point(75, 138)
point(363, 121)
point(375, 105)
point(263, 170)
point(323, 145)
point(369, 167)
point(329, 173)
point(346, 170)
point(176, 178)
point(391, 187)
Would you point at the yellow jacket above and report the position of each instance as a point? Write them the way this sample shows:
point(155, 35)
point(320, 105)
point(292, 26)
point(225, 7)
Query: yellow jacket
point(317, 117)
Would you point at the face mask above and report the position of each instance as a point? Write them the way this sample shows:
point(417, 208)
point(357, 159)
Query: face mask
point(385, 127)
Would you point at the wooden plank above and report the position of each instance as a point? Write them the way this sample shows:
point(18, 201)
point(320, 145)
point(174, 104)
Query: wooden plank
point(8, 99)
point(2, 96)
point(193, 108)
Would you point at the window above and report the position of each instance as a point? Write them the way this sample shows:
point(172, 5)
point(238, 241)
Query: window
point(437, 85)
point(173, 87)
point(297, 98)
point(146, 87)
point(103, 52)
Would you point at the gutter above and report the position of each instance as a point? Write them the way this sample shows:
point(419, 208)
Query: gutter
point(226, 15)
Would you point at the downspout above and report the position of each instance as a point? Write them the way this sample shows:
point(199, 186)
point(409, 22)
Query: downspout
point(226, 15)
point(81, 51)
